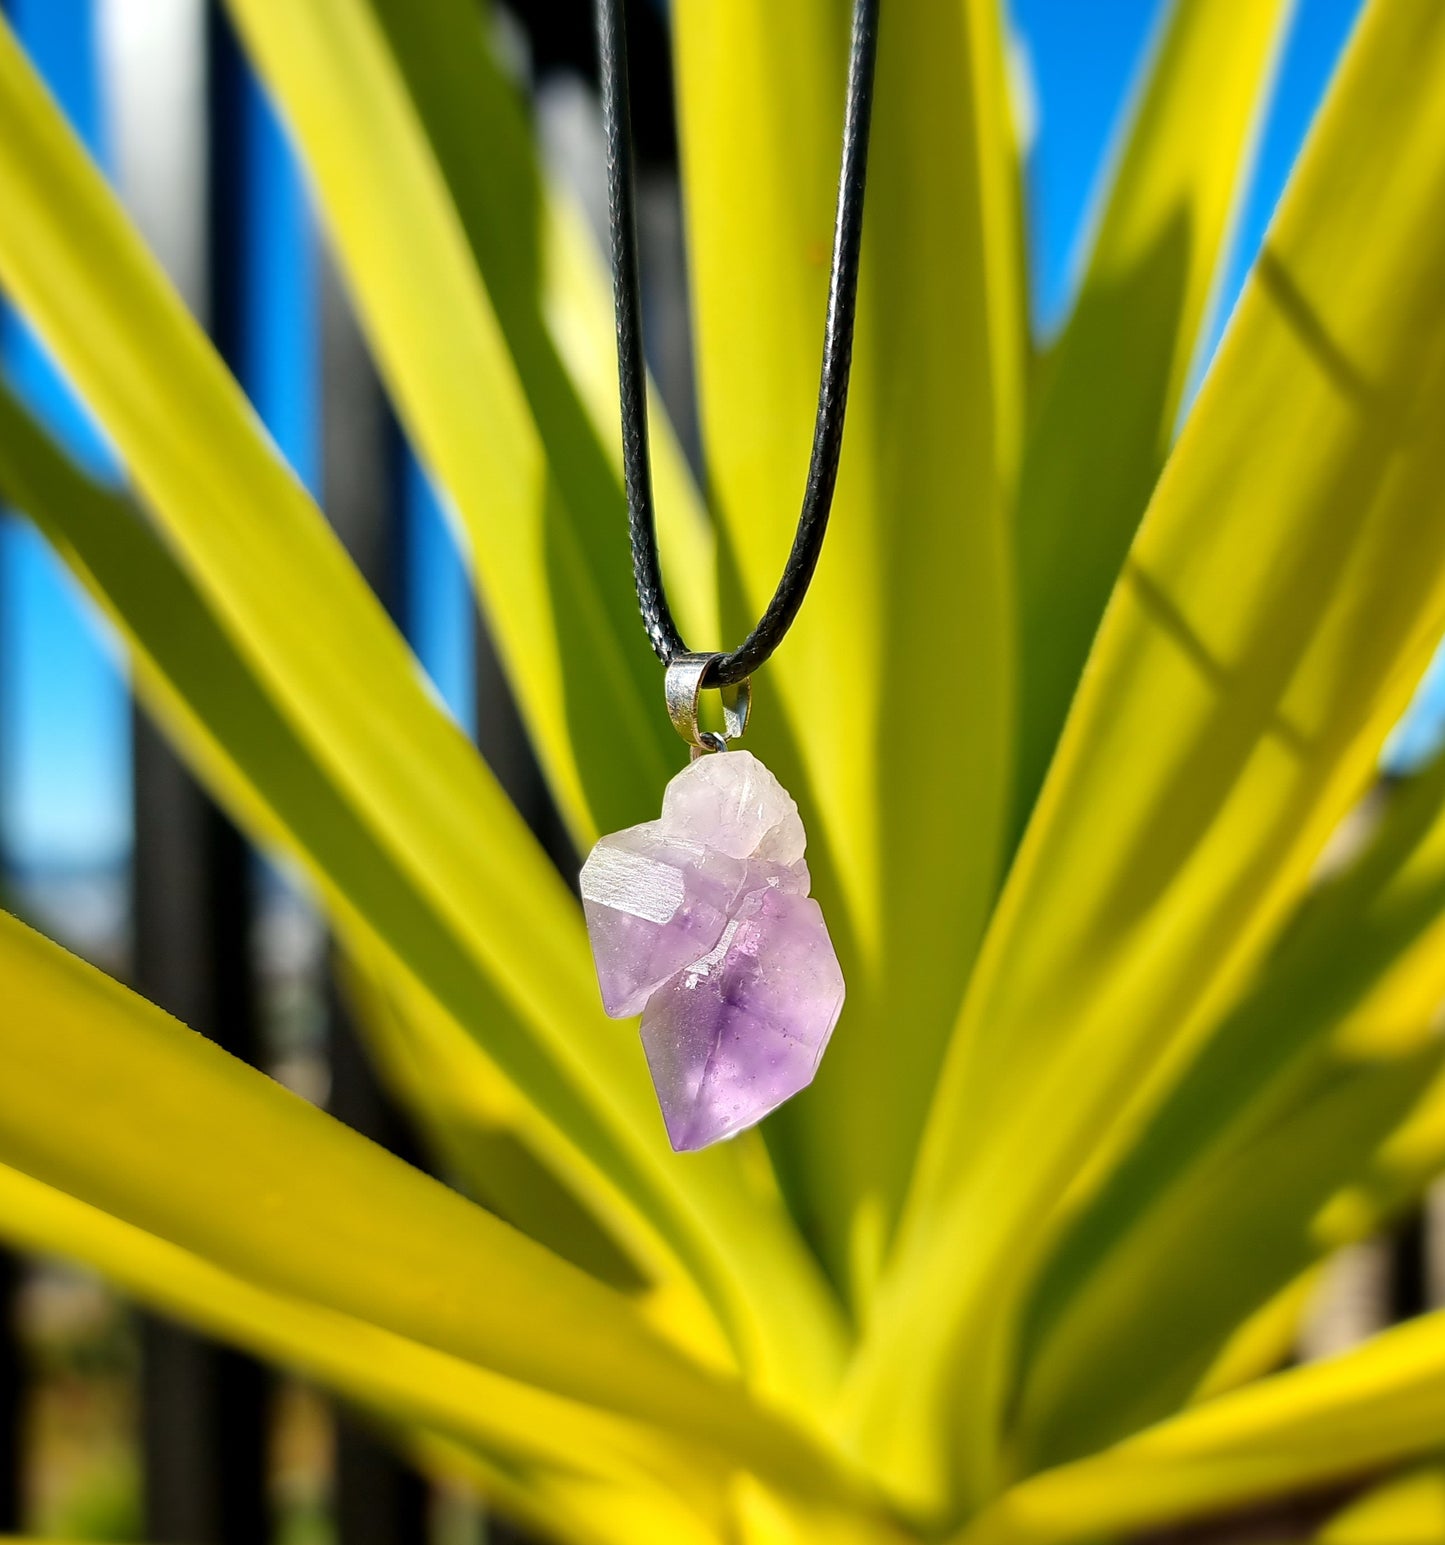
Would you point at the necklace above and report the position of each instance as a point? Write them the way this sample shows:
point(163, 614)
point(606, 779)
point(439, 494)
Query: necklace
point(701, 920)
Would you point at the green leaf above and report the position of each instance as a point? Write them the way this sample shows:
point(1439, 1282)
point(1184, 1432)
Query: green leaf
point(1263, 639)
point(143, 1150)
point(1410, 1158)
point(562, 1505)
point(426, 177)
point(1405, 998)
point(1407, 1510)
point(888, 710)
point(482, 918)
point(1228, 1238)
point(1399, 1172)
point(1380, 1405)
point(112, 1102)
point(1093, 454)
point(1212, 1210)
point(529, 1443)
point(205, 694)
point(488, 1141)
point(1264, 1343)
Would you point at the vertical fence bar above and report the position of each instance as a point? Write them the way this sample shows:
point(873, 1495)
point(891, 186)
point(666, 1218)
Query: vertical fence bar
point(379, 1499)
point(1409, 1292)
point(12, 1376)
point(204, 1408)
point(503, 743)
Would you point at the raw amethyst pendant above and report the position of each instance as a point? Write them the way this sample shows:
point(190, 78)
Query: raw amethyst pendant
point(702, 921)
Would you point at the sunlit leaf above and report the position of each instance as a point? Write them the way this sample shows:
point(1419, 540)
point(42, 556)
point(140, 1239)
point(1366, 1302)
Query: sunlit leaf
point(1377, 1406)
point(526, 1440)
point(491, 1144)
point(1405, 1163)
point(1409, 1510)
point(1213, 1210)
point(1410, 1158)
point(426, 175)
point(206, 691)
point(115, 1104)
point(893, 694)
point(1264, 1342)
point(556, 1502)
point(1264, 637)
point(1093, 455)
point(206, 694)
point(1406, 998)
point(509, 959)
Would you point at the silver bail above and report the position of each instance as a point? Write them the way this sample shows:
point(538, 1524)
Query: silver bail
point(682, 684)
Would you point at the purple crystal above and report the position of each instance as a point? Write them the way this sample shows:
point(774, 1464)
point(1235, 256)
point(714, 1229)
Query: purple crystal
point(739, 1031)
point(653, 906)
point(702, 919)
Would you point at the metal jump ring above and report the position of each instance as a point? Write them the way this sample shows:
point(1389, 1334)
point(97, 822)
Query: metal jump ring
point(683, 684)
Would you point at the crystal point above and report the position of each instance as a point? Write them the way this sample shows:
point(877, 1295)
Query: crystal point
point(702, 921)
point(732, 1036)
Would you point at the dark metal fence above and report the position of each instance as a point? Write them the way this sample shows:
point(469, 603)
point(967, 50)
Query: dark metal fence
point(11, 1459)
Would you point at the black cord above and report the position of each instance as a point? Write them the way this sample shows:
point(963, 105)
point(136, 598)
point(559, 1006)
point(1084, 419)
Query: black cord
point(732, 668)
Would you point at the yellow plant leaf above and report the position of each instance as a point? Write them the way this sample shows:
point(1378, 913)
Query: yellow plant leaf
point(495, 1148)
point(556, 1504)
point(1408, 1510)
point(483, 1130)
point(239, 730)
point(211, 703)
point(1413, 1154)
point(1213, 1208)
point(763, 1516)
point(760, 1517)
point(518, 1433)
point(577, 298)
point(1405, 1163)
point(1377, 1406)
point(114, 1103)
point(261, 555)
point(1409, 1159)
point(1263, 1343)
point(1199, 1264)
point(1262, 641)
point(1404, 1003)
point(1092, 455)
point(425, 173)
point(893, 694)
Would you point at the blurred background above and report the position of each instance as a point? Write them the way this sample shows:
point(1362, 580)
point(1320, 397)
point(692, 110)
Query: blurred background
point(115, 1426)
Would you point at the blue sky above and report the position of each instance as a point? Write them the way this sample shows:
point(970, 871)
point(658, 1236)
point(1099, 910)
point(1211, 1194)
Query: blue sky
point(1084, 60)
point(63, 716)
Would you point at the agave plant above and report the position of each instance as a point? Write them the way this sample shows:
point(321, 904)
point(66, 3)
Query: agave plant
point(1072, 713)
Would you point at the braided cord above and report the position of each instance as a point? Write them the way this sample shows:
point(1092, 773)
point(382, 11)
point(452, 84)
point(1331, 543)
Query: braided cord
point(777, 618)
